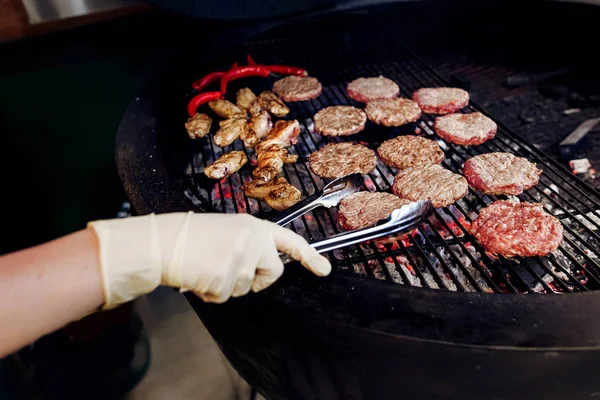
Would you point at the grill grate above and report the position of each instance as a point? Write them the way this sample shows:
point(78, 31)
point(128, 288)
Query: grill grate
point(441, 254)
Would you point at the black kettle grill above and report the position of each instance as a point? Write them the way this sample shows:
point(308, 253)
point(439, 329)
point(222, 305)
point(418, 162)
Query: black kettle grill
point(430, 316)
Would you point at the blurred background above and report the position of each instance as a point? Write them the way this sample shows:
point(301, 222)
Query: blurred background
point(68, 70)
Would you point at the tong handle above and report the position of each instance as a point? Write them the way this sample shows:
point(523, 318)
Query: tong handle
point(307, 205)
point(344, 240)
point(403, 219)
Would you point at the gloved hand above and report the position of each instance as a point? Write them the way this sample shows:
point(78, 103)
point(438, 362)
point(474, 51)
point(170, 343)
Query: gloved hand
point(216, 256)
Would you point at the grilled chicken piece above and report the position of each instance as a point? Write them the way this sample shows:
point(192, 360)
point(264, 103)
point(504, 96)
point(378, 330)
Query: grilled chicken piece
point(279, 194)
point(261, 124)
point(283, 134)
point(245, 98)
point(258, 127)
point(255, 108)
point(226, 109)
point(248, 137)
point(227, 165)
point(283, 196)
point(260, 190)
point(230, 130)
point(273, 104)
point(198, 126)
point(271, 161)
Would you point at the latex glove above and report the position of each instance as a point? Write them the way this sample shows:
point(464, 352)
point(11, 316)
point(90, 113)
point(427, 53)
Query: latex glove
point(217, 256)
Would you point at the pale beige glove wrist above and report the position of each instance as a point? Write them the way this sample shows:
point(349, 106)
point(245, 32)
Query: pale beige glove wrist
point(217, 256)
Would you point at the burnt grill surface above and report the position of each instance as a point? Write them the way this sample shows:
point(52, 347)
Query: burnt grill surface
point(441, 254)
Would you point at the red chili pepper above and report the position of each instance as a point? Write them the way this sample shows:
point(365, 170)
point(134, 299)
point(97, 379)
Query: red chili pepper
point(287, 70)
point(243, 72)
point(279, 69)
point(203, 82)
point(207, 80)
point(258, 70)
point(199, 99)
point(250, 60)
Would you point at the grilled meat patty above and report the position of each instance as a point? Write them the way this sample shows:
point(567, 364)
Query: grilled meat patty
point(517, 229)
point(336, 160)
point(363, 209)
point(393, 112)
point(367, 89)
point(465, 129)
point(339, 121)
point(198, 126)
point(432, 182)
point(501, 173)
point(297, 88)
point(410, 151)
point(226, 165)
point(441, 100)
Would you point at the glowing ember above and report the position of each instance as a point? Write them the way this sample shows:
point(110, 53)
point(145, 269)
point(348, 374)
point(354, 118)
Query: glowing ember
point(405, 241)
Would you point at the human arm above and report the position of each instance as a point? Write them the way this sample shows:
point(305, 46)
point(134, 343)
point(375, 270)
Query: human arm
point(216, 256)
point(45, 287)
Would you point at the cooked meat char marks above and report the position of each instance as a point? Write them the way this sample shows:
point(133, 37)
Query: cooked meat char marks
point(393, 112)
point(501, 173)
point(226, 109)
point(270, 162)
point(363, 209)
point(245, 98)
point(261, 124)
point(271, 154)
point(517, 229)
point(432, 182)
point(367, 89)
point(283, 134)
point(336, 160)
point(198, 126)
point(297, 88)
point(465, 129)
point(410, 151)
point(339, 121)
point(441, 100)
point(273, 104)
point(226, 165)
point(258, 127)
point(283, 196)
point(230, 130)
point(279, 194)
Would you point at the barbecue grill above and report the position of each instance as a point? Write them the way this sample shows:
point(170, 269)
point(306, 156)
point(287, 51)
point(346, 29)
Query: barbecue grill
point(429, 314)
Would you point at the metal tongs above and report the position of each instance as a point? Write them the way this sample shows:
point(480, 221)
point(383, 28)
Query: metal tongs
point(331, 195)
point(401, 219)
